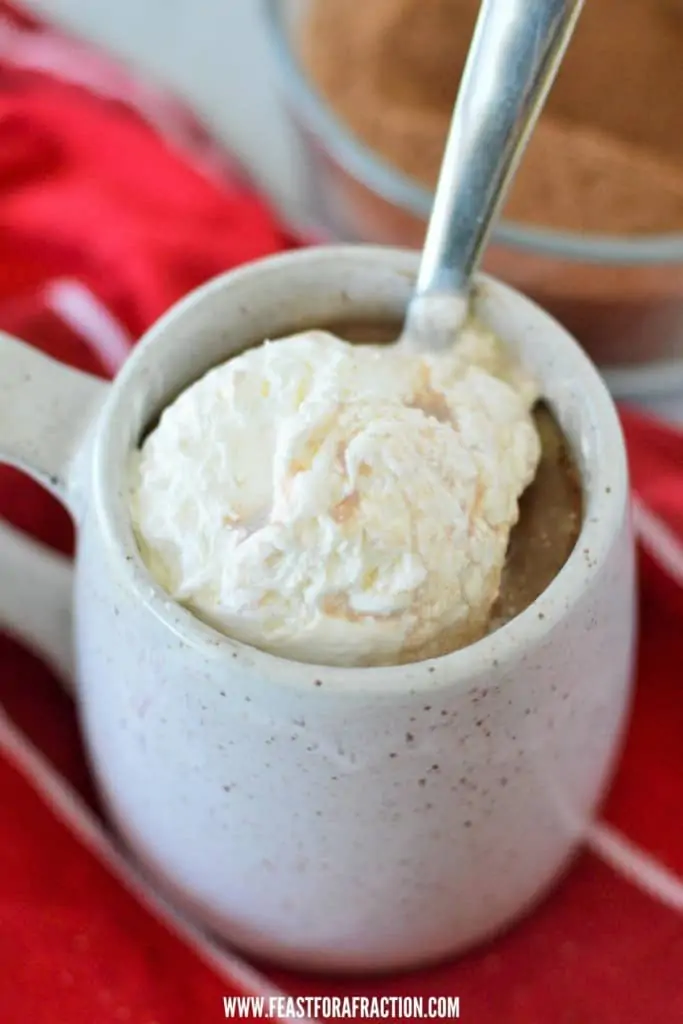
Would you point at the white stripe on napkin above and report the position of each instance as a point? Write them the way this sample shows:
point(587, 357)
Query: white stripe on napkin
point(659, 540)
point(83, 312)
point(636, 865)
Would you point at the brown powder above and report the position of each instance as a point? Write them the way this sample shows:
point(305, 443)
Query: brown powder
point(347, 508)
point(432, 403)
point(608, 153)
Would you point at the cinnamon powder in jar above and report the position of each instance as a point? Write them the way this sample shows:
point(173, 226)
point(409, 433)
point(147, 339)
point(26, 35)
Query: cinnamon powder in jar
point(607, 155)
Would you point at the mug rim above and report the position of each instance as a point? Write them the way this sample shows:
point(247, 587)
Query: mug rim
point(526, 630)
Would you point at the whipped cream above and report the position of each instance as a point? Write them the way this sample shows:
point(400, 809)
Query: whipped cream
point(340, 504)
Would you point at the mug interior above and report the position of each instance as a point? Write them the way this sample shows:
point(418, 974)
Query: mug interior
point(317, 287)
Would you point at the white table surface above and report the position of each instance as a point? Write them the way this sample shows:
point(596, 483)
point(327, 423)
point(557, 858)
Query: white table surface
point(214, 54)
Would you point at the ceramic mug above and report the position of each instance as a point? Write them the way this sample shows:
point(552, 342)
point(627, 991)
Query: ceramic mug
point(342, 819)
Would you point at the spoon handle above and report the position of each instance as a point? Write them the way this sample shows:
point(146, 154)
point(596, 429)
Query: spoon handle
point(515, 54)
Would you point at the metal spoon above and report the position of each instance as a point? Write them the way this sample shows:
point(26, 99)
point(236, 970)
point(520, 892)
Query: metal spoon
point(516, 51)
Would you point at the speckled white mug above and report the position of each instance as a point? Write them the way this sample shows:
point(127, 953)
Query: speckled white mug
point(358, 819)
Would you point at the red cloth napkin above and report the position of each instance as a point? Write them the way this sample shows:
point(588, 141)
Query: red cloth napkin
point(113, 203)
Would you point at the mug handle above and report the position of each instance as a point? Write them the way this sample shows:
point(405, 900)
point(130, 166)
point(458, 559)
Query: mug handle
point(36, 585)
point(46, 411)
